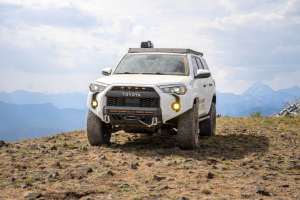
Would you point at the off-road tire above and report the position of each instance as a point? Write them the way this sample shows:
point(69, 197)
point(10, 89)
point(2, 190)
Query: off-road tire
point(188, 126)
point(96, 129)
point(208, 127)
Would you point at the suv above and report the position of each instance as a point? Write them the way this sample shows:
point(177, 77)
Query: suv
point(154, 90)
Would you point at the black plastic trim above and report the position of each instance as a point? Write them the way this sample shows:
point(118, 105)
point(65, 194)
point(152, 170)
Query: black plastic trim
point(203, 75)
point(95, 96)
point(177, 100)
point(156, 111)
point(132, 94)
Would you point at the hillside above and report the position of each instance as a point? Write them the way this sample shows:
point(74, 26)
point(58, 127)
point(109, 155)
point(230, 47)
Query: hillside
point(63, 100)
point(249, 158)
point(37, 120)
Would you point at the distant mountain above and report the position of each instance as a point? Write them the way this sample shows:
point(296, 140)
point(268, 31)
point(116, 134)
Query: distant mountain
point(230, 98)
point(295, 90)
point(26, 120)
point(65, 100)
point(15, 134)
point(259, 89)
point(269, 103)
point(265, 111)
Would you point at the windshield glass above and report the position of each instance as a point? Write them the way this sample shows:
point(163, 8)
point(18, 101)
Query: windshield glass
point(153, 64)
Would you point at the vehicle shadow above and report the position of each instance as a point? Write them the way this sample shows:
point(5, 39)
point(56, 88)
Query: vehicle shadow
point(231, 146)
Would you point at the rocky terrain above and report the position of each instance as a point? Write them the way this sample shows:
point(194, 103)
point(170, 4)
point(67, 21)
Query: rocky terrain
point(249, 158)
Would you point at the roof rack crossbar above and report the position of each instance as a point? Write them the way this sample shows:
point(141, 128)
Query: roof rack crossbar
point(165, 50)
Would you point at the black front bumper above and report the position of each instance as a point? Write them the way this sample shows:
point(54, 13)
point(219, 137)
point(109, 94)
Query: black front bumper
point(131, 115)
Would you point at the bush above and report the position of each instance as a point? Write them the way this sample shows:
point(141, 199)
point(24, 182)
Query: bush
point(255, 114)
point(206, 191)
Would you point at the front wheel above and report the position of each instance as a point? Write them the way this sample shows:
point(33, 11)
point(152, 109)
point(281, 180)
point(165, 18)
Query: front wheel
point(188, 126)
point(96, 129)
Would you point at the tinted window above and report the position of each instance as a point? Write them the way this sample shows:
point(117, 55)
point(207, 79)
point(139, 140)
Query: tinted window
point(204, 63)
point(153, 64)
point(200, 64)
point(195, 65)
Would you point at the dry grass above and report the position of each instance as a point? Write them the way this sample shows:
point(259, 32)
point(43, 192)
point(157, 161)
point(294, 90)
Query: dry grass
point(246, 152)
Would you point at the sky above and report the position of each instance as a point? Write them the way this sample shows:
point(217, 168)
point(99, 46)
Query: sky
point(54, 46)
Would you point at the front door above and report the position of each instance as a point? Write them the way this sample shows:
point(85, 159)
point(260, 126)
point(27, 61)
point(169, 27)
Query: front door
point(210, 85)
point(200, 87)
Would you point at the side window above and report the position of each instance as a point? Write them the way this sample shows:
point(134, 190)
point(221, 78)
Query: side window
point(204, 63)
point(195, 66)
point(200, 64)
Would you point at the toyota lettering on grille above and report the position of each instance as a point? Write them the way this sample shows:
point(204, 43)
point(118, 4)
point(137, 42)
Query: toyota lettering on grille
point(129, 94)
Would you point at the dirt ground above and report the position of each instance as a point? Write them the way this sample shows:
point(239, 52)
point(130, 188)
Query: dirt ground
point(249, 158)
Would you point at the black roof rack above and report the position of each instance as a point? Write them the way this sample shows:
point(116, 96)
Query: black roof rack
point(165, 50)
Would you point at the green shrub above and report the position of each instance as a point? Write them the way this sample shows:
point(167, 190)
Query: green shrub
point(206, 191)
point(255, 114)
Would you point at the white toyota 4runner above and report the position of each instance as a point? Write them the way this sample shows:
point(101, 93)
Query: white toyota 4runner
point(154, 90)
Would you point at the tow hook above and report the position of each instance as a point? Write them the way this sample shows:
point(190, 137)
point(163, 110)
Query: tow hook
point(106, 119)
point(154, 122)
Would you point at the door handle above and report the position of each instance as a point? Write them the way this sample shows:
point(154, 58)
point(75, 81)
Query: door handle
point(210, 84)
point(204, 85)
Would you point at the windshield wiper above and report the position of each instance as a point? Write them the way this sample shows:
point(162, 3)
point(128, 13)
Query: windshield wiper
point(155, 73)
point(126, 73)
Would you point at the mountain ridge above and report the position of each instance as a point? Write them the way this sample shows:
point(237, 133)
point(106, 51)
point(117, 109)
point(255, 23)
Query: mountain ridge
point(259, 89)
point(62, 100)
point(45, 117)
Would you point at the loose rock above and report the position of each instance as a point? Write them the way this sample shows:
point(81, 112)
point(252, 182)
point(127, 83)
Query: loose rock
point(70, 175)
point(158, 178)
point(33, 195)
point(149, 164)
point(212, 161)
point(26, 185)
point(125, 185)
point(83, 182)
point(53, 148)
point(156, 158)
point(133, 166)
point(261, 190)
point(85, 170)
point(58, 165)
point(209, 175)
point(284, 185)
point(3, 144)
point(110, 173)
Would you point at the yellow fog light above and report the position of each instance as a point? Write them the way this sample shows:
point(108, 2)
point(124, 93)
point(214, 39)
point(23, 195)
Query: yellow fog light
point(94, 103)
point(176, 106)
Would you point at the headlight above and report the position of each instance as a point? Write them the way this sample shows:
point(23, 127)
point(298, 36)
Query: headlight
point(97, 87)
point(177, 89)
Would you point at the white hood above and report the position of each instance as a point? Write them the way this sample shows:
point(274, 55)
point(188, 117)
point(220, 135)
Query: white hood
point(139, 79)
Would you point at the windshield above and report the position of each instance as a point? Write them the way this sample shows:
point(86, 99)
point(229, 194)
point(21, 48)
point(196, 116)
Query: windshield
point(153, 64)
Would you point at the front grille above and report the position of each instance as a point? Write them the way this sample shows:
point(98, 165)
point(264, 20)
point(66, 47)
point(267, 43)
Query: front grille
point(133, 89)
point(143, 102)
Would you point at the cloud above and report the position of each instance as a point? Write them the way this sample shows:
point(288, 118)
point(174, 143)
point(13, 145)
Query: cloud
point(292, 8)
point(13, 15)
point(12, 79)
point(290, 50)
point(241, 40)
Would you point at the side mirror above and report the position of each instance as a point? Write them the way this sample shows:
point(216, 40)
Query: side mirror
point(106, 71)
point(203, 73)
